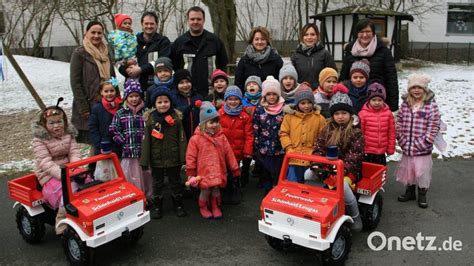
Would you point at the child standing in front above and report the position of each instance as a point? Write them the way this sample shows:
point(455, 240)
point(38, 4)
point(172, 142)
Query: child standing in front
point(164, 149)
point(378, 126)
point(418, 123)
point(267, 119)
point(127, 130)
point(123, 41)
point(210, 156)
point(163, 79)
point(220, 82)
point(358, 85)
point(300, 130)
point(236, 124)
point(288, 79)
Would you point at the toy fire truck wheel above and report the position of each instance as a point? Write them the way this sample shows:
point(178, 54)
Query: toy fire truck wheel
point(371, 214)
point(31, 228)
point(274, 242)
point(77, 252)
point(134, 236)
point(337, 253)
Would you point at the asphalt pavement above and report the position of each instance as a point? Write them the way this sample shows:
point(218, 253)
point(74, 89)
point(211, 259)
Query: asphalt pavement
point(235, 239)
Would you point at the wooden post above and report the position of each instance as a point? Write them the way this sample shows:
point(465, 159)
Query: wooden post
point(6, 52)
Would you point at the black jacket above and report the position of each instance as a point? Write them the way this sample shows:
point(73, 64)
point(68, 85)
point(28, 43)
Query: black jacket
point(309, 65)
point(247, 67)
point(99, 122)
point(147, 53)
point(382, 69)
point(210, 54)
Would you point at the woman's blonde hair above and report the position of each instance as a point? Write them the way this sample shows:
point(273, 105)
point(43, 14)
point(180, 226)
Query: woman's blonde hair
point(340, 135)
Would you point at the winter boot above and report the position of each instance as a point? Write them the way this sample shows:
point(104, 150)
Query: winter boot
point(352, 209)
point(215, 207)
point(422, 197)
point(157, 209)
point(178, 206)
point(245, 171)
point(60, 216)
point(204, 210)
point(409, 194)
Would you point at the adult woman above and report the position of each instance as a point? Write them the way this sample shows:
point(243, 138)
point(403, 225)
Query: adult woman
point(259, 59)
point(382, 67)
point(90, 64)
point(310, 56)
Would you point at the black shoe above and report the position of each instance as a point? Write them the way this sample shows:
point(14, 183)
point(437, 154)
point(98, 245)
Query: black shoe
point(157, 208)
point(422, 197)
point(236, 195)
point(410, 194)
point(178, 206)
point(244, 179)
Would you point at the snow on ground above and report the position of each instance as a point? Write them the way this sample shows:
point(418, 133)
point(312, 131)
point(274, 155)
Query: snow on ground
point(452, 84)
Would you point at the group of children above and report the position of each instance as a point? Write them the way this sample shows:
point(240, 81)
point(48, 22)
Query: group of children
point(170, 125)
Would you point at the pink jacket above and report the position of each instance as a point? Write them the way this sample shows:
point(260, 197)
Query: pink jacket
point(378, 127)
point(210, 157)
point(50, 153)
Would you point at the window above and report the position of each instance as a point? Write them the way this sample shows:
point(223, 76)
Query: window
point(460, 19)
point(380, 29)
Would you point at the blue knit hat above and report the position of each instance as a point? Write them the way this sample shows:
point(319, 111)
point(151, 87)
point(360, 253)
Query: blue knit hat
point(233, 91)
point(131, 86)
point(161, 91)
point(207, 111)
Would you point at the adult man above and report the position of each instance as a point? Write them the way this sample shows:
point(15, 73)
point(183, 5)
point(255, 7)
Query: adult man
point(151, 45)
point(199, 51)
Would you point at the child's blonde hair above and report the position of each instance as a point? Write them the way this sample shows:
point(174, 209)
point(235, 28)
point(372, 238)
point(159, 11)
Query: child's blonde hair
point(340, 135)
point(411, 101)
point(202, 126)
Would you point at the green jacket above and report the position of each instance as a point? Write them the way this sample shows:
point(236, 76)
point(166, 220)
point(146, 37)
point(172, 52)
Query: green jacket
point(167, 152)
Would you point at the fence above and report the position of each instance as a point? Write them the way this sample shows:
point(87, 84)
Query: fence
point(448, 53)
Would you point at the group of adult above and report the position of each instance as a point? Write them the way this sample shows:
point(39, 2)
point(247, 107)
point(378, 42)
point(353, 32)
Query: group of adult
point(201, 51)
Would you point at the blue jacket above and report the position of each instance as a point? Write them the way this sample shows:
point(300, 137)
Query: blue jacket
point(99, 122)
point(189, 110)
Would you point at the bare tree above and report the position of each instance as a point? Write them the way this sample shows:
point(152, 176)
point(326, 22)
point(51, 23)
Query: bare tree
point(248, 13)
point(179, 13)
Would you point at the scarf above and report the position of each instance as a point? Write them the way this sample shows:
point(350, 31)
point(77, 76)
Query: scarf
point(113, 106)
point(166, 84)
point(233, 111)
point(135, 109)
point(307, 50)
point(273, 109)
point(359, 51)
point(258, 57)
point(185, 94)
point(288, 96)
point(358, 92)
point(253, 98)
point(160, 117)
point(101, 57)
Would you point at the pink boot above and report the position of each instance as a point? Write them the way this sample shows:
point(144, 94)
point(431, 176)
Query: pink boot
point(203, 209)
point(215, 204)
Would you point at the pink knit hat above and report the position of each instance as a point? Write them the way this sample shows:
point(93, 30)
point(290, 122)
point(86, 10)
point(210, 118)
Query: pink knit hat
point(271, 85)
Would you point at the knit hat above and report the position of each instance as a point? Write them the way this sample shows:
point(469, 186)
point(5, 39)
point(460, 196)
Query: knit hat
point(131, 85)
point(340, 101)
point(271, 85)
point(288, 70)
point(219, 74)
point(304, 92)
point(164, 62)
point(326, 73)
point(255, 79)
point(376, 90)
point(233, 91)
point(362, 66)
point(119, 18)
point(161, 91)
point(207, 111)
point(182, 74)
point(418, 79)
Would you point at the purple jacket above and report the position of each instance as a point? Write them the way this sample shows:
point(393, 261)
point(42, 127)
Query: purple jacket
point(127, 130)
point(416, 131)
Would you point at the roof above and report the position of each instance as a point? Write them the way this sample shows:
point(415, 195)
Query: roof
point(364, 10)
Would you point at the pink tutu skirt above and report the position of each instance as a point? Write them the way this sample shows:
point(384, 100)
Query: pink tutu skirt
point(415, 170)
point(53, 193)
point(133, 172)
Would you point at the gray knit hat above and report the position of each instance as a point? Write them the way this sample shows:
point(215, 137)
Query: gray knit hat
point(288, 70)
point(255, 79)
point(362, 66)
point(340, 101)
point(207, 111)
point(164, 62)
point(304, 92)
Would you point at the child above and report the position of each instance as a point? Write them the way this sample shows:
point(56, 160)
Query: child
point(266, 127)
point(288, 80)
point(236, 124)
point(322, 95)
point(220, 82)
point(358, 84)
point(210, 156)
point(123, 41)
point(418, 123)
point(102, 114)
point(164, 148)
point(343, 132)
point(184, 98)
point(300, 130)
point(253, 93)
point(53, 145)
point(127, 130)
point(163, 79)
point(378, 126)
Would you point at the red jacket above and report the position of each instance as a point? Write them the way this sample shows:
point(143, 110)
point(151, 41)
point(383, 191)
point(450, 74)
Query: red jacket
point(239, 132)
point(211, 158)
point(378, 127)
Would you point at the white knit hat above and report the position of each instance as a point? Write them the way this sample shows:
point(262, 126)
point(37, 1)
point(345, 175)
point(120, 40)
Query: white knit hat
point(418, 79)
point(271, 85)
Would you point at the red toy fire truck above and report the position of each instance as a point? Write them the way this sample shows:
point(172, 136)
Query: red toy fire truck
point(314, 216)
point(97, 212)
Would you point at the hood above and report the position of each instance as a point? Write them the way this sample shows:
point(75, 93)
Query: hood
point(40, 132)
point(429, 98)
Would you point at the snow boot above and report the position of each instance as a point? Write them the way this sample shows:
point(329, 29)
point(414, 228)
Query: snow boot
point(157, 209)
point(245, 171)
point(352, 209)
point(409, 194)
point(178, 206)
point(204, 210)
point(422, 197)
point(60, 216)
point(215, 207)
